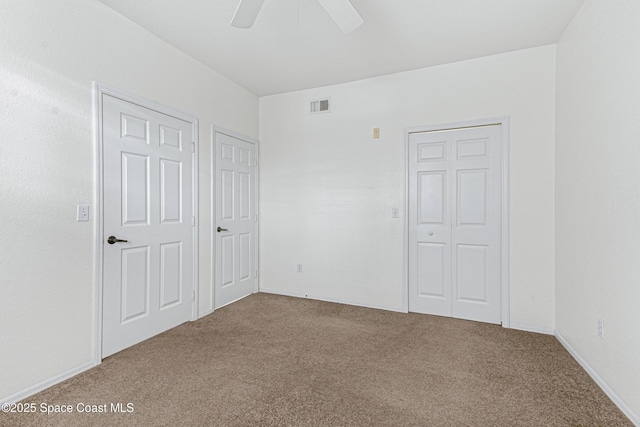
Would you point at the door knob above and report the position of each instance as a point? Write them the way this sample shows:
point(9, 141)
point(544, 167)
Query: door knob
point(221, 229)
point(431, 233)
point(113, 239)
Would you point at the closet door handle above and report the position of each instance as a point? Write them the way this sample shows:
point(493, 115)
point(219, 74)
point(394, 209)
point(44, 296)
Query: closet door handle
point(221, 229)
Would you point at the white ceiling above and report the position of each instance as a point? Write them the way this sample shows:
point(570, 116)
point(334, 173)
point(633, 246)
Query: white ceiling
point(295, 45)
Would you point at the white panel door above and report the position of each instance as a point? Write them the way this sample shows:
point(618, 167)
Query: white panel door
point(235, 219)
point(430, 222)
point(455, 223)
point(148, 274)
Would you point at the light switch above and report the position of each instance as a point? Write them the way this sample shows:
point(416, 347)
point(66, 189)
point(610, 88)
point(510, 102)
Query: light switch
point(376, 133)
point(82, 214)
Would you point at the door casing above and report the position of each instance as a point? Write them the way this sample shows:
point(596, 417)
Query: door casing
point(100, 89)
point(504, 123)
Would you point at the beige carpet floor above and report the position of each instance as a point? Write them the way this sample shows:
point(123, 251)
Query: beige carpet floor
point(271, 360)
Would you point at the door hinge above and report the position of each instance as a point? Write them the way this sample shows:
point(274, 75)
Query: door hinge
point(255, 219)
point(255, 162)
point(193, 147)
point(193, 295)
point(255, 274)
point(193, 221)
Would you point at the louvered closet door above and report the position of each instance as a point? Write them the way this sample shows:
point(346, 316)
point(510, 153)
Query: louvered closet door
point(455, 183)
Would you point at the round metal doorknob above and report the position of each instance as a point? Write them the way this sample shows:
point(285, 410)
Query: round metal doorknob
point(113, 239)
point(431, 233)
point(221, 229)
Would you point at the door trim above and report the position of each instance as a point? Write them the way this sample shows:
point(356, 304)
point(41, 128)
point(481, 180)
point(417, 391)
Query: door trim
point(504, 268)
point(100, 89)
point(212, 277)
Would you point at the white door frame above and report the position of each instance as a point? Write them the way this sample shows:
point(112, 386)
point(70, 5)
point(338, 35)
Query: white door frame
point(255, 142)
point(504, 269)
point(100, 89)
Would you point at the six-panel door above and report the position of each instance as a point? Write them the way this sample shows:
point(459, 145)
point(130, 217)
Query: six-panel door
point(235, 199)
point(148, 280)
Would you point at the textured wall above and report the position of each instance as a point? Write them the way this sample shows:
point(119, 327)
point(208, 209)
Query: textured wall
point(597, 192)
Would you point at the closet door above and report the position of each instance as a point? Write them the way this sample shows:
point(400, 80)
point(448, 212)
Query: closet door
point(430, 223)
point(455, 223)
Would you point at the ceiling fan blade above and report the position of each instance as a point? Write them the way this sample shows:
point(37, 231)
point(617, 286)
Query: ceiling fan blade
point(246, 13)
point(343, 13)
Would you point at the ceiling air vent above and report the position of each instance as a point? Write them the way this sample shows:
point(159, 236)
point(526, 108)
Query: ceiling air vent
point(320, 106)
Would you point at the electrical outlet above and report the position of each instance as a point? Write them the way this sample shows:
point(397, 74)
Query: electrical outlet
point(299, 270)
point(82, 213)
point(601, 328)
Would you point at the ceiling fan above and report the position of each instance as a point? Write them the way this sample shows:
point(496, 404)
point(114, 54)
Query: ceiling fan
point(341, 11)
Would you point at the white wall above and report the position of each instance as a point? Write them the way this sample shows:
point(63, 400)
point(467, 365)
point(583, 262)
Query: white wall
point(51, 52)
point(327, 188)
point(598, 193)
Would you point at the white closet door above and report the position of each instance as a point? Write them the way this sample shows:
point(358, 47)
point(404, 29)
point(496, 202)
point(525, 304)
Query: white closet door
point(430, 223)
point(455, 223)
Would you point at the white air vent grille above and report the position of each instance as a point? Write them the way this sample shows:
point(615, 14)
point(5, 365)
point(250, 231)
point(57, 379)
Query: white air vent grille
point(320, 106)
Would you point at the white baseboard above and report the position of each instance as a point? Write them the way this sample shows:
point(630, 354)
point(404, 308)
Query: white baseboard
point(635, 419)
point(319, 298)
point(48, 383)
point(530, 328)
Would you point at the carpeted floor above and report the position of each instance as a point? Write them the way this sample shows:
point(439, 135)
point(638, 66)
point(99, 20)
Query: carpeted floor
point(271, 360)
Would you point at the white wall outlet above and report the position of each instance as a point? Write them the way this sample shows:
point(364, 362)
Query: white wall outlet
point(601, 328)
point(299, 268)
point(395, 213)
point(82, 213)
